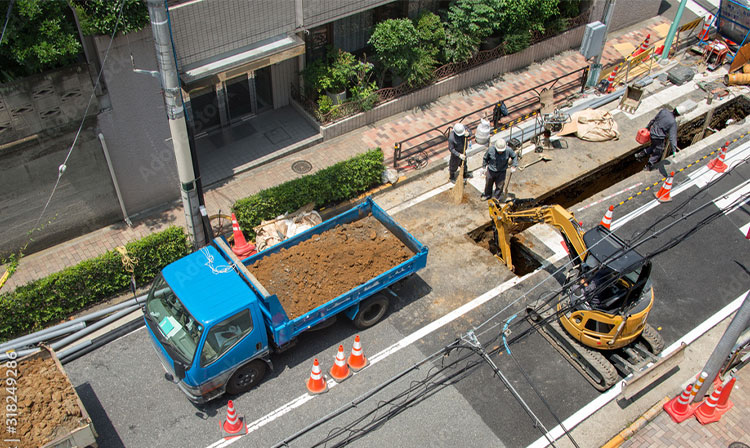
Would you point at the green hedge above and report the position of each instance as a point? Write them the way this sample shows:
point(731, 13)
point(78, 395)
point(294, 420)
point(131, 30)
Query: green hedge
point(48, 300)
point(337, 183)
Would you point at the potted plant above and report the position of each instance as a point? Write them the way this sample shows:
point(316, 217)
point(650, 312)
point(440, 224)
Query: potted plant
point(341, 70)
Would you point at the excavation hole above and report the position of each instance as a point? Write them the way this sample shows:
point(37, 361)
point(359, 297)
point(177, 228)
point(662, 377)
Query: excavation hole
point(524, 260)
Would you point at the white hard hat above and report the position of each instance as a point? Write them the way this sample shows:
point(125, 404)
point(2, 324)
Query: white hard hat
point(500, 144)
point(459, 129)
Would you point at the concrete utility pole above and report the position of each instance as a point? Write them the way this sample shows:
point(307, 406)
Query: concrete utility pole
point(596, 66)
point(170, 83)
point(739, 322)
point(672, 32)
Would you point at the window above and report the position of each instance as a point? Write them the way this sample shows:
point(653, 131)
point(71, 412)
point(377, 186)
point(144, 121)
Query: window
point(225, 335)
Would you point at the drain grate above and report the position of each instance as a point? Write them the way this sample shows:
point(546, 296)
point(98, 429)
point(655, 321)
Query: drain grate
point(301, 166)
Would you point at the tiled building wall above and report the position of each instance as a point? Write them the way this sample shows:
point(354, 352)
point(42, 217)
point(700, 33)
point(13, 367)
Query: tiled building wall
point(318, 12)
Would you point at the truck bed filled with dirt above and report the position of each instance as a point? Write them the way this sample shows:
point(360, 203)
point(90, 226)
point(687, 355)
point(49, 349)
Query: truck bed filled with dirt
point(317, 270)
point(48, 408)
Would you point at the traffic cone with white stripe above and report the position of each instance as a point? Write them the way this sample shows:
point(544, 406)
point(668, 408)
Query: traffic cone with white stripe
point(706, 412)
point(607, 219)
point(679, 407)
point(357, 360)
point(611, 79)
point(663, 194)
point(726, 389)
point(340, 371)
point(703, 35)
point(643, 47)
point(241, 247)
point(718, 163)
point(233, 425)
point(316, 384)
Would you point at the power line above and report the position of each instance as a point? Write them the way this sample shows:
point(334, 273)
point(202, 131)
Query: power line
point(7, 19)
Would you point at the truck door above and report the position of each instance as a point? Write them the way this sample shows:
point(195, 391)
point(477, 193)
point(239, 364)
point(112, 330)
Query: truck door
point(229, 344)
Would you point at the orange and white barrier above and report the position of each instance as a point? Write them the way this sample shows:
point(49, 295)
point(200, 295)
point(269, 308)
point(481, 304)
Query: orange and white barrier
point(663, 194)
point(703, 35)
point(679, 407)
point(233, 425)
point(607, 219)
point(706, 412)
point(357, 360)
point(316, 384)
point(340, 371)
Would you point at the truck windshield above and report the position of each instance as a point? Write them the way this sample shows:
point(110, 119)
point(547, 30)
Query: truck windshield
point(177, 327)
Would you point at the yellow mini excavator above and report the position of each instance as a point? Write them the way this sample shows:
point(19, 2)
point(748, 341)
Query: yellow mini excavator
point(600, 324)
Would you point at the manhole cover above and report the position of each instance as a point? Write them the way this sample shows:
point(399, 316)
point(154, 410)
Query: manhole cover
point(301, 166)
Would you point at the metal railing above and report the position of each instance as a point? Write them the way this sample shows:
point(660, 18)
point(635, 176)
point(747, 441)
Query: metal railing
point(573, 84)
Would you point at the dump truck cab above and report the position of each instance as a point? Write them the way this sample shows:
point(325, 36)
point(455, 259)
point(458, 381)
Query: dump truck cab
point(206, 324)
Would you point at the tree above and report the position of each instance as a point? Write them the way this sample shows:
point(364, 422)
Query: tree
point(100, 16)
point(396, 43)
point(40, 35)
point(431, 33)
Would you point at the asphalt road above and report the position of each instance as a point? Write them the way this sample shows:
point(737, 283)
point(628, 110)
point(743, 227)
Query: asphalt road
point(453, 400)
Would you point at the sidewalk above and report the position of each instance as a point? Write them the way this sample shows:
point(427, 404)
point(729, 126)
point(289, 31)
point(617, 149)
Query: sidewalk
point(662, 432)
point(220, 197)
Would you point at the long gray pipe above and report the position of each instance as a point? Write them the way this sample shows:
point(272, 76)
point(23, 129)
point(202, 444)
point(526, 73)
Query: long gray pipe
point(33, 340)
point(739, 322)
point(96, 314)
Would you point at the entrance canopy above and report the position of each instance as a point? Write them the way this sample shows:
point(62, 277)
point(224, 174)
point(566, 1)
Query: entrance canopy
point(258, 55)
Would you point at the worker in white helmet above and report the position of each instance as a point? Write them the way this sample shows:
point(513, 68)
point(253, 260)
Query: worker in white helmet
point(457, 143)
point(496, 160)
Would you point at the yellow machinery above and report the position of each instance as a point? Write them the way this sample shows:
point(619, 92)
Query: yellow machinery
point(605, 301)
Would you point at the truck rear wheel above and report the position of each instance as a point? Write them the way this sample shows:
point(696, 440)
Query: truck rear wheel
point(371, 311)
point(246, 377)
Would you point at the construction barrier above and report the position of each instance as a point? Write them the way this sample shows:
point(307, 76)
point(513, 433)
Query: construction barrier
point(316, 384)
point(663, 194)
point(233, 425)
point(679, 407)
point(340, 370)
point(357, 360)
point(707, 412)
point(607, 219)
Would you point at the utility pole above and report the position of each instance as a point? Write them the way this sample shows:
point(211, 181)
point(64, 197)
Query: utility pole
point(739, 322)
point(170, 84)
point(596, 66)
point(671, 33)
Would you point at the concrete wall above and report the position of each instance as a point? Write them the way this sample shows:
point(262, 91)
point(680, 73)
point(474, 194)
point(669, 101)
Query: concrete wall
point(135, 128)
point(83, 202)
point(627, 12)
point(318, 12)
point(284, 75)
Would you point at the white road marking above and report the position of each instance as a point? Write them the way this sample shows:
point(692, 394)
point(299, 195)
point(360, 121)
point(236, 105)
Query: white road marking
point(422, 197)
point(600, 401)
point(735, 195)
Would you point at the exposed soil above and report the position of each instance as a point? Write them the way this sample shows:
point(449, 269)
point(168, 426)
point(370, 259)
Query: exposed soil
point(317, 270)
point(47, 405)
point(523, 259)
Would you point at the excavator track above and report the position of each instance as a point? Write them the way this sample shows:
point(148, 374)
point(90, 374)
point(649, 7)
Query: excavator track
point(653, 338)
point(590, 363)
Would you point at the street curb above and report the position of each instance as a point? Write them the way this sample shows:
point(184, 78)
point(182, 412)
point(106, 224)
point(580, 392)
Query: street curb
point(638, 424)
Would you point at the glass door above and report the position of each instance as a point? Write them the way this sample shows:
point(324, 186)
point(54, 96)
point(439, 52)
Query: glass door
point(240, 97)
point(263, 88)
point(205, 109)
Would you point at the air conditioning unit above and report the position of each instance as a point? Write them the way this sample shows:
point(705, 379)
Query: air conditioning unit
point(593, 39)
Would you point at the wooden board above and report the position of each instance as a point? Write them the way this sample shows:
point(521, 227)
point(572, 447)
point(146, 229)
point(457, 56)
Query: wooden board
point(624, 48)
point(661, 30)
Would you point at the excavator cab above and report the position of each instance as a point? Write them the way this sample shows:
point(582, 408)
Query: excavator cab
point(603, 306)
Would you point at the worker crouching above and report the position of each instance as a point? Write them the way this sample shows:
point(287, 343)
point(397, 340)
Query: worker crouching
point(495, 163)
point(661, 127)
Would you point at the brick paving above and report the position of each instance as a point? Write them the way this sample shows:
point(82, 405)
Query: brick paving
point(662, 432)
point(382, 134)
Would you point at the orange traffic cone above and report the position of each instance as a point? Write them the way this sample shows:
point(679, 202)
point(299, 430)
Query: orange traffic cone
point(643, 47)
point(316, 384)
point(724, 403)
point(607, 219)
point(241, 248)
point(233, 425)
point(706, 412)
point(718, 163)
point(340, 371)
point(663, 194)
point(679, 407)
point(611, 79)
point(703, 35)
point(659, 50)
point(357, 360)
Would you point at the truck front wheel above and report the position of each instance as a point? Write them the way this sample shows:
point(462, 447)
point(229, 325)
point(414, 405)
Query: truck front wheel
point(246, 377)
point(371, 311)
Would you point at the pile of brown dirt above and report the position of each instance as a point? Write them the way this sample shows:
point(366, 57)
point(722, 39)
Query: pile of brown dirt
point(47, 405)
point(317, 270)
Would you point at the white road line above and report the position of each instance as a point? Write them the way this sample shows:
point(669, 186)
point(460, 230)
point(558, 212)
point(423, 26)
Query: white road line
point(610, 196)
point(735, 195)
point(600, 401)
point(422, 197)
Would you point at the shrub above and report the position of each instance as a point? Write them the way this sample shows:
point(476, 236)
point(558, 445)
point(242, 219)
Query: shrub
point(431, 33)
point(48, 300)
point(331, 185)
point(399, 48)
point(517, 42)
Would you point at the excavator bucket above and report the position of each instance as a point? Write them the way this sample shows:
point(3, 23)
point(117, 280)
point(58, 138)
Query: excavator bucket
point(631, 99)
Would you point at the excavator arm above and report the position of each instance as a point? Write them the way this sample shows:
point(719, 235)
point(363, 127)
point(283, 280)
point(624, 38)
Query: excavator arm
point(517, 215)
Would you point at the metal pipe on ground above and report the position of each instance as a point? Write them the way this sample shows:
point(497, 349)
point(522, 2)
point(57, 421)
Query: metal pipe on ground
point(41, 336)
point(74, 349)
point(96, 314)
point(104, 339)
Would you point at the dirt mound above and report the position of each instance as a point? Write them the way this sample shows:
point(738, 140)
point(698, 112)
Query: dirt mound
point(317, 270)
point(47, 405)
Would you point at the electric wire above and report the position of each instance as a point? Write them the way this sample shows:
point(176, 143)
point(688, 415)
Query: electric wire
point(61, 168)
point(7, 19)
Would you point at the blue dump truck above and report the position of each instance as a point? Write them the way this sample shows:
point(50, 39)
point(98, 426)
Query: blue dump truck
point(214, 326)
